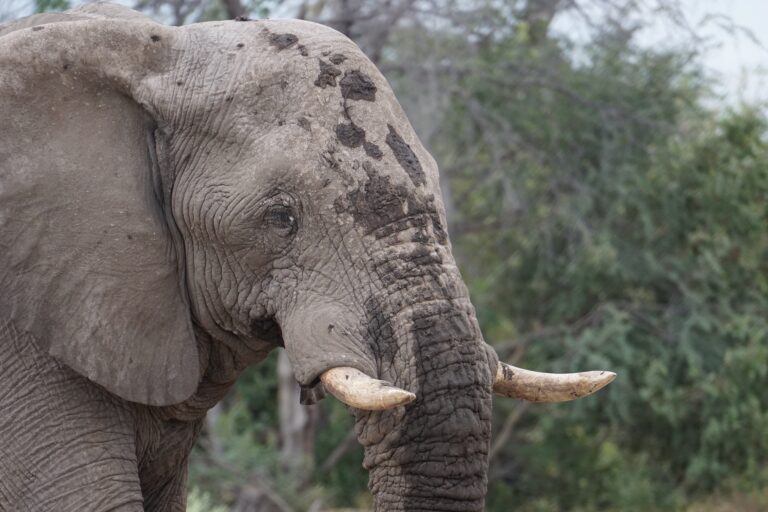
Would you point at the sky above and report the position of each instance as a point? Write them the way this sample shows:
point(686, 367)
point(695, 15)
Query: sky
point(733, 47)
point(740, 62)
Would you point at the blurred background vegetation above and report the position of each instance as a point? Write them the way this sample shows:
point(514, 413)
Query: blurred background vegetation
point(608, 210)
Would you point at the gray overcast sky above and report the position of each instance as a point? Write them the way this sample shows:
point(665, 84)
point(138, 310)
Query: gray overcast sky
point(742, 64)
point(735, 46)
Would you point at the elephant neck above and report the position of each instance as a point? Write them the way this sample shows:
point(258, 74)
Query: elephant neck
point(220, 367)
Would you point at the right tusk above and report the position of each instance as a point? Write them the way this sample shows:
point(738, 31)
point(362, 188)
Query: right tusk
point(360, 391)
point(548, 387)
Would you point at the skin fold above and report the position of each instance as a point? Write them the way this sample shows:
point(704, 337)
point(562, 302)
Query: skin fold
point(177, 202)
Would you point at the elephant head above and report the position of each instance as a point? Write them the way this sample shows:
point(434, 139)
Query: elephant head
point(257, 182)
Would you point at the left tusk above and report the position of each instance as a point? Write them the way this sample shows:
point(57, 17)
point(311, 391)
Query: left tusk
point(358, 390)
point(548, 387)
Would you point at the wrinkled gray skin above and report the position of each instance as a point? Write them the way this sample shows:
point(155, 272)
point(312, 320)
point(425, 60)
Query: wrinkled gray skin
point(177, 202)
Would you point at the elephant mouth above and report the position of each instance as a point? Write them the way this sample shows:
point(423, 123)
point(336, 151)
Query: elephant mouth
point(268, 330)
point(349, 384)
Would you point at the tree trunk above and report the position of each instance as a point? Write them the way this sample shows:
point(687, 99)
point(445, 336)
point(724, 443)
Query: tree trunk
point(297, 423)
point(234, 8)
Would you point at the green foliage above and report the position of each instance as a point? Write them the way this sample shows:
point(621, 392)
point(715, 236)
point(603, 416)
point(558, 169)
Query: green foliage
point(51, 5)
point(345, 481)
point(198, 501)
point(248, 431)
point(622, 227)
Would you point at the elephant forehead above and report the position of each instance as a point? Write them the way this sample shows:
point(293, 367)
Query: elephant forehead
point(290, 72)
point(345, 97)
point(310, 105)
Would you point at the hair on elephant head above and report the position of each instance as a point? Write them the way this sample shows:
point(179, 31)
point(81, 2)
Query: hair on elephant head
point(177, 202)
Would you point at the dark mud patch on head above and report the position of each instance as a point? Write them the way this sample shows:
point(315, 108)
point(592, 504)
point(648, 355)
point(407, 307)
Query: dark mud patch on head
point(304, 123)
point(358, 86)
point(405, 157)
point(372, 150)
point(303, 50)
point(337, 58)
point(353, 136)
point(383, 208)
point(350, 135)
point(427, 208)
point(283, 41)
point(327, 76)
point(378, 203)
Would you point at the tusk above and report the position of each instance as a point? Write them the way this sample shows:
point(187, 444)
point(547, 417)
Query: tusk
point(358, 390)
point(548, 387)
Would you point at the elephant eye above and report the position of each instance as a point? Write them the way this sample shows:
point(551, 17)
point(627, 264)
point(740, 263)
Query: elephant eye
point(282, 218)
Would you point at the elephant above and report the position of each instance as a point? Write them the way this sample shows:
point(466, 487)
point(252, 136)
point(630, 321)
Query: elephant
point(177, 202)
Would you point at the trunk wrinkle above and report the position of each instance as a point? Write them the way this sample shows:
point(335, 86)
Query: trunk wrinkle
point(434, 456)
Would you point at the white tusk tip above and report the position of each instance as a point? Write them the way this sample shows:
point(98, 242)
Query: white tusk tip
point(548, 387)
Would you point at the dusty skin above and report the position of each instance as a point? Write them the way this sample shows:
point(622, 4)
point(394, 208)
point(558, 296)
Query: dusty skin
point(177, 202)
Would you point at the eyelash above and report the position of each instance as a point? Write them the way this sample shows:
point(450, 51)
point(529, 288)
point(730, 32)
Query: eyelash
point(281, 217)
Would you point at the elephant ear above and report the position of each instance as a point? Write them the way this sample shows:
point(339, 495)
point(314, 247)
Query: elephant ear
point(88, 265)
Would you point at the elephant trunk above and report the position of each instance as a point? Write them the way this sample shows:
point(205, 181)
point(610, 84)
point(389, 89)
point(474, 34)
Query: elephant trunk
point(417, 331)
point(431, 454)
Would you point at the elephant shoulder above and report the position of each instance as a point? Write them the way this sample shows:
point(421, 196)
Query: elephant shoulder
point(38, 19)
